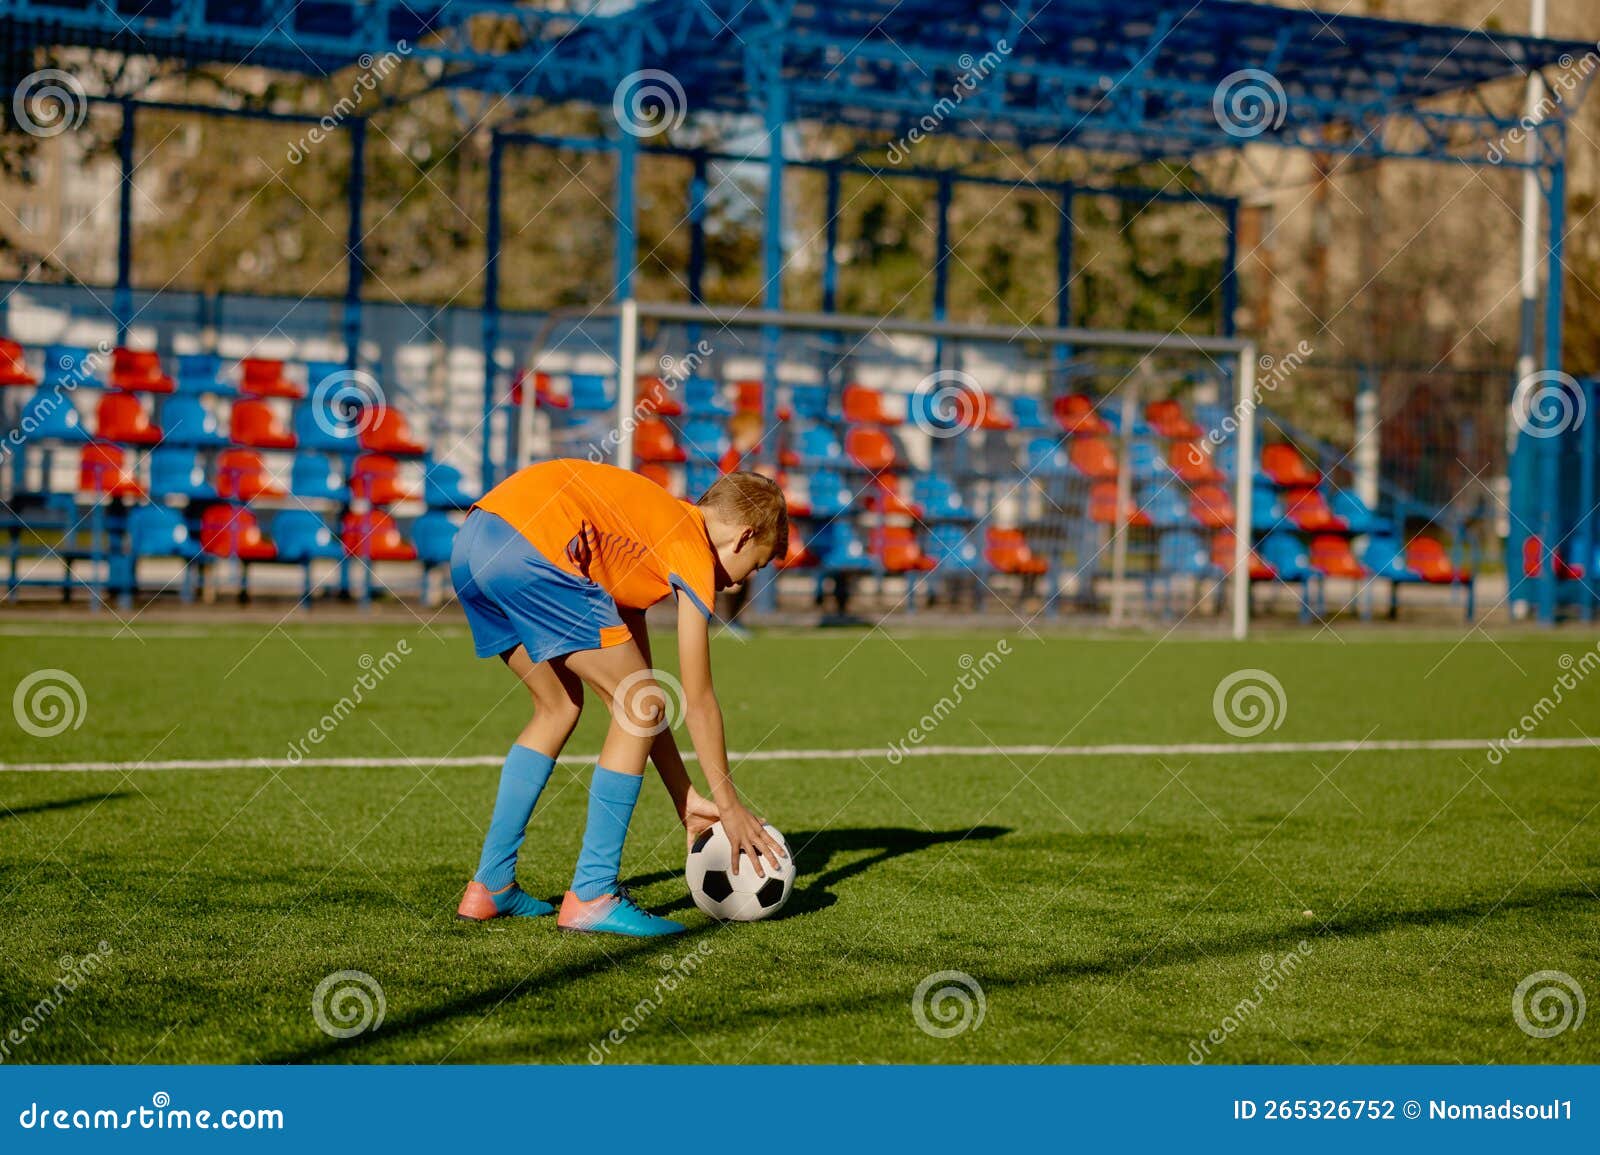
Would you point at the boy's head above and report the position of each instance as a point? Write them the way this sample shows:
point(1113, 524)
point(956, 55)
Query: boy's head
point(747, 521)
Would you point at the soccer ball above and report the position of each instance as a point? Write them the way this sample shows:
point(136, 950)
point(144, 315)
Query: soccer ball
point(742, 897)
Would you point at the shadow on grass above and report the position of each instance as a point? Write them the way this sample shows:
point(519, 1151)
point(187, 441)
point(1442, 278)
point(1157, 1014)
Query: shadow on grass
point(814, 852)
point(58, 804)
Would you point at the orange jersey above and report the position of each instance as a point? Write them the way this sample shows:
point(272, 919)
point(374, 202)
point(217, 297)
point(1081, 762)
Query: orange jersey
point(617, 529)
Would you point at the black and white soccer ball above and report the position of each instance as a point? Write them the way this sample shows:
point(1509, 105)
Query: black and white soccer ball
point(742, 897)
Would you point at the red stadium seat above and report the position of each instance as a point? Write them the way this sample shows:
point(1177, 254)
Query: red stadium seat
point(231, 531)
point(1222, 558)
point(375, 477)
point(253, 423)
point(797, 505)
point(374, 536)
point(985, 412)
point(1332, 556)
point(863, 406)
point(243, 476)
point(1309, 511)
point(886, 498)
point(1007, 550)
point(1211, 507)
point(264, 377)
point(544, 391)
point(14, 366)
point(1103, 506)
point(103, 469)
point(655, 397)
point(1430, 559)
point(653, 442)
point(871, 449)
point(799, 555)
point(1287, 468)
point(1076, 416)
point(1093, 457)
point(1533, 555)
point(1169, 420)
point(751, 397)
point(122, 417)
point(139, 369)
point(897, 548)
point(390, 432)
point(1192, 464)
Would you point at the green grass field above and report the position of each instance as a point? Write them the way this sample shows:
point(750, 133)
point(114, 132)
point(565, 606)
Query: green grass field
point(1113, 908)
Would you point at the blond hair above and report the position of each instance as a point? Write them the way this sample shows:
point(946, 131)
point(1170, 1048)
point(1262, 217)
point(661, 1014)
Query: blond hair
point(749, 499)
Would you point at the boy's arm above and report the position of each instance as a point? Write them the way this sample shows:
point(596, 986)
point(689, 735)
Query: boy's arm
point(694, 811)
point(704, 717)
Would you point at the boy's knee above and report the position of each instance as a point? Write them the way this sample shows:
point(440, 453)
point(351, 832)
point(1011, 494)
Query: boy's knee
point(639, 704)
point(563, 712)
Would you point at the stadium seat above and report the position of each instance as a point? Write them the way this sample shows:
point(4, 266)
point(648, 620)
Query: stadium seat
point(188, 422)
point(545, 395)
point(699, 476)
point(321, 425)
point(14, 365)
point(1211, 507)
point(122, 417)
point(1168, 507)
point(264, 377)
point(232, 531)
point(1534, 555)
point(243, 476)
point(703, 398)
point(653, 442)
point(817, 445)
point(156, 531)
point(1047, 458)
point(177, 472)
point(315, 476)
point(897, 549)
point(1075, 413)
point(655, 396)
point(1093, 457)
point(1309, 512)
point(1007, 551)
point(1287, 469)
point(844, 552)
point(884, 496)
point(1428, 557)
point(811, 402)
point(202, 373)
point(1288, 557)
point(434, 536)
point(1354, 512)
point(1266, 506)
point(442, 487)
point(871, 449)
point(864, 406)
point(1168, 420)
point(103, 469)
point(302, 536)
point(590, 393)
point(375, 477)
point(51, 415)
point(829, 495)
point(1386, 558)
point(374, 536)
point(253, 423)
point(1222, 545)
point(69, 365)
point(705, 440)
point(139, 369)
point(1103, 507)
point(1027, 412)
point(1184, 553)
point(1193, 465)
point(952, 548)
point(1331, 556)
point(1145, 460)
point(939, 498)
point(799, 555)
point(386, 430)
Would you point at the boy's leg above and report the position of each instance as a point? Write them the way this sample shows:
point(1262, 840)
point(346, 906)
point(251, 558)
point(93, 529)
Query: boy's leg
point(596, 902)
point(557, 701)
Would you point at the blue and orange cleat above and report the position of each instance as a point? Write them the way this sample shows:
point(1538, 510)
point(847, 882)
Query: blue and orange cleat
point(478, 905)
point(613, 914)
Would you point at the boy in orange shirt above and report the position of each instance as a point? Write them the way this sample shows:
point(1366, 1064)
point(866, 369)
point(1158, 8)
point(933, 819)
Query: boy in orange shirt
point(554, 569)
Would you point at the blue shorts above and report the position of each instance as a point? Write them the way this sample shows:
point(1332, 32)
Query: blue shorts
point(513, 595)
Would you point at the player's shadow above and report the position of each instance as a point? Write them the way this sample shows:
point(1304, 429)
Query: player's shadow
point(59, 804)
point(815, 851)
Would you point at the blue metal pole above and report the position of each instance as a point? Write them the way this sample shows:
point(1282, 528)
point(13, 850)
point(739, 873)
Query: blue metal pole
point(1066, 235)
point(697, 230)
point(1550, 506)
point(830, 263)
point(1589, 431)
point(627, 215)
point(1230, 274)
point(354, 266)
point(941, 261)
point(122, 298)
point(491, 309)
point(777, 112)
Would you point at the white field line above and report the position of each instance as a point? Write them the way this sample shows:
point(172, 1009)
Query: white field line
point(1176, 750)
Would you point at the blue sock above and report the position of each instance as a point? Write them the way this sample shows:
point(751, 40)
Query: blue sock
point(611, 800)
point(521, 780)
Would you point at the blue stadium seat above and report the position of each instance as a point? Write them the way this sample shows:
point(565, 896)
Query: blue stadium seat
point(922, 408)
point(591, 393)
point(841, 550)
point(51, 415)
point(442, 487)
point(321, 425)
point(698, 477)
point(177, 472)
point(1028, 412)
point(187, 421)
point(1266, 505)
point(69, 365)
point(302, 536)
point(1168, 507)
point(1287, 554)
point(830, 496)
point(939, 498)
point(1354, 511)
point(702, 397)
point(818, 445)
point(810, 402)
point(314, 475)
point(1184, 553)
point(954, 547)
point(704, 439)
point(1046, 458)
point(434, 535)
point(156, 531)
point(202, 373)
point(1385, 556)
point(1145, 460)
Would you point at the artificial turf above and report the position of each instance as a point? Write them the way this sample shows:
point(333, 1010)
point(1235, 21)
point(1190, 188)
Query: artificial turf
point(1113, 908)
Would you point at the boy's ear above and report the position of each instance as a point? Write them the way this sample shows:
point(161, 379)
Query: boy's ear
point(746, 536)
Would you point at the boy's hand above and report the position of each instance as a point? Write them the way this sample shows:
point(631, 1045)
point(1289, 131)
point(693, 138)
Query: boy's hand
point(750, 837)
point(699, 815)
